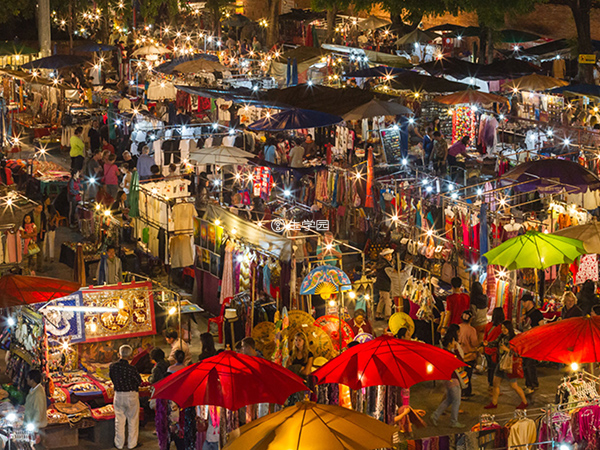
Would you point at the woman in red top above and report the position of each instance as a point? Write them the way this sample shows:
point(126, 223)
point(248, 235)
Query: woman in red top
point(490, 334)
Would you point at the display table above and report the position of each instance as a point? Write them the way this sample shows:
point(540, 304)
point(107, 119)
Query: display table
point(60, 436)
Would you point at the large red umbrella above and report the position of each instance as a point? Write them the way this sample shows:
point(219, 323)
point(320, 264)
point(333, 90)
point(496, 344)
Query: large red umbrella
point(575, 340)
point(16, 290)
point(388, 361)
point(231, 380)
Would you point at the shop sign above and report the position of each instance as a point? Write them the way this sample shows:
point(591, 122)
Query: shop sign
point(587, 59)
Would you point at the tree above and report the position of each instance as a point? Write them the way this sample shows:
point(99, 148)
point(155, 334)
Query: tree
point(332, 7)
point(274, 7)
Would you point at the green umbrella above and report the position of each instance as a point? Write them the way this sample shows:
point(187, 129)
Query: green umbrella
point(134, 195)
point(535, 250)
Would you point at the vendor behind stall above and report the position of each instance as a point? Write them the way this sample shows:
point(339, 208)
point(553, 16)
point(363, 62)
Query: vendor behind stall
point(458, 148)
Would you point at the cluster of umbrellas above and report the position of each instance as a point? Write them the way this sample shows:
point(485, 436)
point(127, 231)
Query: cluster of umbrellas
point(232, 380)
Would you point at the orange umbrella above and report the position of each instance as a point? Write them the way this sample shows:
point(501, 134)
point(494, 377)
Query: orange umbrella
point(470, 96)
point(534, 82)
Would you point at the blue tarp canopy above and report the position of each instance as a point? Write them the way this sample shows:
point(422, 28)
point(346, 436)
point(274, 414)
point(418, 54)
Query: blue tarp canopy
point(295, 119)
point(379, 71)
point(591, 90)
point(54, 62)
point(169, 66)
point(92, 47)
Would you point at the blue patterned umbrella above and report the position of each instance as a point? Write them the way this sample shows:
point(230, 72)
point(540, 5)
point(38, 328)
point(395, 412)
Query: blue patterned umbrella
point(325, 280)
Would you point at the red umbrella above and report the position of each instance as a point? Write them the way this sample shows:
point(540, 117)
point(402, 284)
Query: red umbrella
point(231, 380)
point(16, 290)
point(388, 361)
point(575, 340)
point(331, 325)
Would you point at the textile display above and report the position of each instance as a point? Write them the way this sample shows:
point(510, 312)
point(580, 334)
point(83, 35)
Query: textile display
point(65, 323)
point(136, 318)
point(463, 123)
point(588, 269)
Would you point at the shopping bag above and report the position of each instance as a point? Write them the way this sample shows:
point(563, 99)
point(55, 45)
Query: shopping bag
point(33, 249)
point(506, 363)
point(463, 378)
point(517, 368)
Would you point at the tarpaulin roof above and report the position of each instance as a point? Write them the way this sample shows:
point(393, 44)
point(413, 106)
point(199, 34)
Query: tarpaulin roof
point(240, 95)
point(168, 66)
point(415, 82)
point(295, 119)
point(548, 47)
point(378, 71)
point(302, 53)
point(91, 47)
point(446, 27)
point(591, 90)
point(508, 36)
point(497, 70)
point(54, 62)
point(318, 98)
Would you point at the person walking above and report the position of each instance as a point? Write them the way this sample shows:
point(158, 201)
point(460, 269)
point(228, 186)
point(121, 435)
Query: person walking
point(144, 164)
point(479, 307)
point(92, 175)
point(74, 191)
point(110, 269)
point(452, 400)
point(467, 338)
point(503, 346)
point(532, 318)
point(52, 223)
point(439, 154)
point(35, 402)
point(111, 176)
point(161, 414)
point(208, 346)
point(126, 380)
point(383, 284)
point(77, 151)
point(491, 333)
point(457, 302)
point(38, 217)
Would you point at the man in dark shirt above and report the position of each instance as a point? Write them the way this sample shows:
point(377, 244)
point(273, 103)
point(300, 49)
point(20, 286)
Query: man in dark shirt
point(94, 136)
point(126, 380)
point(532, 318)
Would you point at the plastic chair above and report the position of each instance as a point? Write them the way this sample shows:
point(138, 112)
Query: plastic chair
point(220, 319)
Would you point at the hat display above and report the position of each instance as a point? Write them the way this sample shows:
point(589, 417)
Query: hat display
point(386, 251)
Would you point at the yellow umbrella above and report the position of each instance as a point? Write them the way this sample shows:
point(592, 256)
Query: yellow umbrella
point(308, 425)
point(401, 320)
point(534, 82)
point(200, 65)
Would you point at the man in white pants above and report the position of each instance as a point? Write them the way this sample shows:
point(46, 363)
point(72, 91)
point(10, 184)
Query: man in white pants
point(126, 380)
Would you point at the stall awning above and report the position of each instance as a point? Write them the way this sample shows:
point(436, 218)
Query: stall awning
point(258, 237)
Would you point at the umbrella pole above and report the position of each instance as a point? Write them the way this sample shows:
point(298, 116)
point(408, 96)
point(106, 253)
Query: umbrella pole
point(340, 306)
point(252, 305)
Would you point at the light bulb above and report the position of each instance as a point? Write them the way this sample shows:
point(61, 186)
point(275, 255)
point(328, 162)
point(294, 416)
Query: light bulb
point(429, 368)
point(172, 310)
point(574, 366)
point(332, 303)
point(351, 294)
point(217, 222)
point(11, 322)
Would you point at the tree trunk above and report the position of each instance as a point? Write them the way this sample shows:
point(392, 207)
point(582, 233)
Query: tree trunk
point(331, 16)
point(482, 46)
point(70, 26)
point(581, 14)
point(44, 33)
point(273, 26)
point(490, 46)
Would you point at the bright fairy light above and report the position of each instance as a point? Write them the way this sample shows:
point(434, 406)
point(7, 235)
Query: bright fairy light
point(11, 322)
point(574, 366)
point(172, 310)
point(429, 188)
point(429, 368)
point(332, 303)
point(287, 193)
point(217, 222)
point(475, 267)
point(404, 161)
point(30, 427)
point(11, 417)
point(351, 294)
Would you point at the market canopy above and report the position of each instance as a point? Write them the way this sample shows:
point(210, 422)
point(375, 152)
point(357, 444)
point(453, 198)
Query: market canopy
point(373, 72)
point(517, 36)
point(372, 23)
point(92, 47)
point(231, 380)
point(575, 340)
point(388, 361)
point(54, 62)
point(535, 250)
point(17, 290)
point(497, 70)
point(551, 175)
point(300, 15)
point(549, 48)
point(313, 426)
point(534, 82)
point(377, 108)
point(168, 66)
point(511, 68)
point(199, 65)
point(259, 237)
point(415, 82)
point(588, 233)
point(318, 98)
point(416, 36)
point(12, 48)
point(446, 27)
point(151, 50)
point(295, 119)
point(221, 155)
point(471, 97)
point(590, 90)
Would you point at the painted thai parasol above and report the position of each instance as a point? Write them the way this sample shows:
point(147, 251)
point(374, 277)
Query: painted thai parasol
point(331, 325)
point(264, 337)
